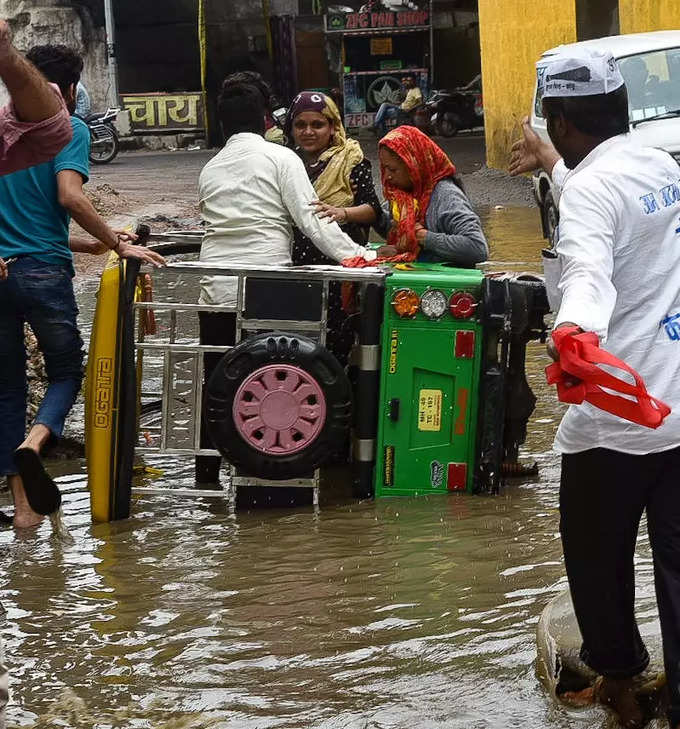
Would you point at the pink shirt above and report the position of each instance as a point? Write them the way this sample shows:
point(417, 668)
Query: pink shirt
point(25, 144)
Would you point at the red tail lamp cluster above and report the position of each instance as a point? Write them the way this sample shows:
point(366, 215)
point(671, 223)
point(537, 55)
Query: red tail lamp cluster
point(433, 304)
point(462, 305)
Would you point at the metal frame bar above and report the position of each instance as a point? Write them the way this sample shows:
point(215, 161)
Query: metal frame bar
point(372, 274)
point(323, 274)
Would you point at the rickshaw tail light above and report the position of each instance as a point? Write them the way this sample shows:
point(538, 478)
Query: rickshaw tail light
point(406, 302)
point(433, 303)
point(462, 305)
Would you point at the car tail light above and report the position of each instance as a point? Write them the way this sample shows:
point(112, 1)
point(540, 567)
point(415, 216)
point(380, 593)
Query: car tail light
point(406, 302)
point(433, 303)
point(462, 305)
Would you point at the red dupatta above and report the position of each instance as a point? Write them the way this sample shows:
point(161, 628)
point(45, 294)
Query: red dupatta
point(427, 164)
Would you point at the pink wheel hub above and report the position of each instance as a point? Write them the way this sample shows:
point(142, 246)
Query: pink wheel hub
point(279, 409)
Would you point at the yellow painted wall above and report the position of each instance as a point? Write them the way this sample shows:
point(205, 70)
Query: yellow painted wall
point(639, 16)
point(513, 34)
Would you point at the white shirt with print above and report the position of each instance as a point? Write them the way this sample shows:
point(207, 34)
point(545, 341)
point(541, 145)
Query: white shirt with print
point(619, 255)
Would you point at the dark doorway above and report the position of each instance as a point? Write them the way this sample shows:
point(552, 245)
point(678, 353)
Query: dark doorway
point(157, 46)
point(596, 18)
point(312, 61)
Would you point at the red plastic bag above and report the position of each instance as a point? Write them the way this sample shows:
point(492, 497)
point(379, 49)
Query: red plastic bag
point(580, 355)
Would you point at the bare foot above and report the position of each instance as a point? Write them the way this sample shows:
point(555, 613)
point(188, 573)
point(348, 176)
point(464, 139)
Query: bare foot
point(620, 695)
point(584, 697)
point(26, 519)
point(24, 516)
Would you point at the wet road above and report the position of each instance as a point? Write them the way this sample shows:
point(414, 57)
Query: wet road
point(167, 181)
point(379, 615)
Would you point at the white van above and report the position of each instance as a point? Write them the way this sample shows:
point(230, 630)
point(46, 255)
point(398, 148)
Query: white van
point(650, 64)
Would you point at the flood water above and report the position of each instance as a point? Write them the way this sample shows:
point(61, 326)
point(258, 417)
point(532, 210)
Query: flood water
point(391, 614)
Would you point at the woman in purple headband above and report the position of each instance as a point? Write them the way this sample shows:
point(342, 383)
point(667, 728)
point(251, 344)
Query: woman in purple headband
point(343, 181)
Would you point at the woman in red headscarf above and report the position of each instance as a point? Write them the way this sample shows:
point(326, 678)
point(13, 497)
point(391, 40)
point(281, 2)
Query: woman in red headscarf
point(428, 215)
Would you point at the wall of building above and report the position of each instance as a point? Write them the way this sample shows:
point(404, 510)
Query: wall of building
point(36, 23)
point(638, 16)
point(513, 34)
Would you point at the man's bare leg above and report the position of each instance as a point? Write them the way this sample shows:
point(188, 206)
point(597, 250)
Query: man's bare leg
point(24, 516)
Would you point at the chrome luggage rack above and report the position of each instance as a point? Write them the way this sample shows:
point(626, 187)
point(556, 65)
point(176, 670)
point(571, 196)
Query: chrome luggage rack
point(176, 387)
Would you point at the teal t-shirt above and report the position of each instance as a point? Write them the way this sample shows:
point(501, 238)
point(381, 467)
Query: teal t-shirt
point(32, 222)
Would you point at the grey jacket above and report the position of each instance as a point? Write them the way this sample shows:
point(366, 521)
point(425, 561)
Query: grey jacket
point(455, 231)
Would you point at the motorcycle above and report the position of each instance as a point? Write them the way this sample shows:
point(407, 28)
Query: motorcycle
point(457, 109)
point(104, 142)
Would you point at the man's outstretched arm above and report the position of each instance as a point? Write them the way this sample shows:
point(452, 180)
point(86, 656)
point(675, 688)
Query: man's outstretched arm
point(531, 153)
point(33, 98)
point(36, 126)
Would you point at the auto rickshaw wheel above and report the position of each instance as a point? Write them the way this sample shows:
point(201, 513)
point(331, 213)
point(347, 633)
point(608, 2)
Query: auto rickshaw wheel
point(278, 406)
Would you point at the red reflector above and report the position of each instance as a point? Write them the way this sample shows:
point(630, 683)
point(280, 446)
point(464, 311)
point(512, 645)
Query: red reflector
point(465, 344)
point(457, 479)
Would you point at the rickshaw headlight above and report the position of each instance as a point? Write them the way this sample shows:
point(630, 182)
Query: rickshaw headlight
point(406, 302)
point(433, 303)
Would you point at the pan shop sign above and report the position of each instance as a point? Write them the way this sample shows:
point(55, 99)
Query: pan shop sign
point(156, 113)
point(369, 21)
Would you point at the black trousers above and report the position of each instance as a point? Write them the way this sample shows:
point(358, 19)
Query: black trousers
point(603, 494)
point(218, 329)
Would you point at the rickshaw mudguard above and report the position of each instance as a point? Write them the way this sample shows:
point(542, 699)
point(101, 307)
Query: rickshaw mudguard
point(111, 394)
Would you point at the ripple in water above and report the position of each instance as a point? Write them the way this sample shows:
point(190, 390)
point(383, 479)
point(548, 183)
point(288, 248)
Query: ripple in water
point(399, 613)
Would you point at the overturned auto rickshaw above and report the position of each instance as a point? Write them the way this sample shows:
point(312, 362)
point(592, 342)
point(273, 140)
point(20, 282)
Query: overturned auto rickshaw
point(434, 399)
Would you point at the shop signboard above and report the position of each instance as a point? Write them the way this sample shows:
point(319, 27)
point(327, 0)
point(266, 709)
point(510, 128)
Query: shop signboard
point(381, 46)
point(348, 22)
point(154, 113)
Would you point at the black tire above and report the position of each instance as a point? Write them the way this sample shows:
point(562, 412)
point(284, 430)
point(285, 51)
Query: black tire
point(103, 153)
point(271, 349)
point(449, 125)
point(551, 217)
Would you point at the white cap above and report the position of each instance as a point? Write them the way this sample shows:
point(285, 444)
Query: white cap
point(578, 73)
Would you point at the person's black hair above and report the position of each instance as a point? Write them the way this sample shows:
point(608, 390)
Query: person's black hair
point(601, 116)
point(251, 78)
point(59, 64)
point(241, 109)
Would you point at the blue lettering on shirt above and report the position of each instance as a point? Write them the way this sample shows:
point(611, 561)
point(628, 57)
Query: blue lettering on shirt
point(649, 202)
point(672, 325)
point(670, 195)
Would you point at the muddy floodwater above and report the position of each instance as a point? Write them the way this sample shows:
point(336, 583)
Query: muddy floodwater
point(392, 614)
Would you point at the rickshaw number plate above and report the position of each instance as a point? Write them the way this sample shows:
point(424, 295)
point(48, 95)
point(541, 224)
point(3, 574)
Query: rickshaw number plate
point(430, 410)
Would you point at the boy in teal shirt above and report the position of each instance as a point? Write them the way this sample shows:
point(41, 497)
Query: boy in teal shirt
point(37, 205)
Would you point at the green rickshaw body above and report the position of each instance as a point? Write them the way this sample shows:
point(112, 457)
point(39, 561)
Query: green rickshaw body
point(429, 387)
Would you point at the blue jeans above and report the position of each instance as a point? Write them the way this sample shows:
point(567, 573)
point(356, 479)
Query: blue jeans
point(42, 295)
point(385, 110)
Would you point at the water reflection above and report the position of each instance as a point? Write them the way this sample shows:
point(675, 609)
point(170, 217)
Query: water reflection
point(399, 613)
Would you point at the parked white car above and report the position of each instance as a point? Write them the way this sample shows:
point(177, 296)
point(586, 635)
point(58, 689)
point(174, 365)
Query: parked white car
point(650, 64)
